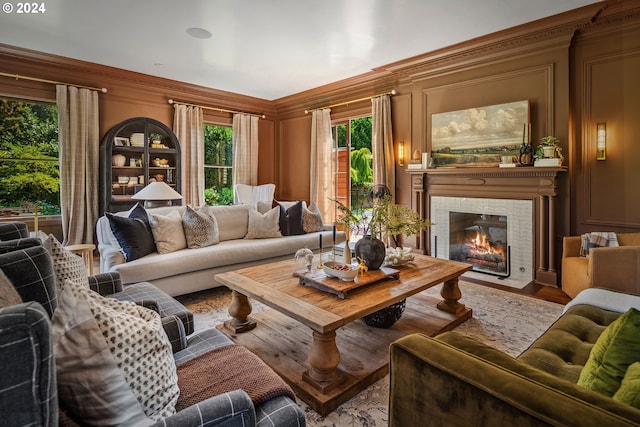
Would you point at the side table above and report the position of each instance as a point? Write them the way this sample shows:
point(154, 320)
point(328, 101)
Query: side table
point(85, 250)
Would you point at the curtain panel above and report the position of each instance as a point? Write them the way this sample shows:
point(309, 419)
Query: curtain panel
point(382, 143)
point(189, 129)
point(79, 162)
point(245, 149)
point(322, 188)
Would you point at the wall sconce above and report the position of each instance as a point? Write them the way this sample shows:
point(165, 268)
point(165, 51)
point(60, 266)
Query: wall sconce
point(401, 153)
point(601, 141)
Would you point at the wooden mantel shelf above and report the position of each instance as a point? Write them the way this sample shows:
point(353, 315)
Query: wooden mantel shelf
point(538, 184)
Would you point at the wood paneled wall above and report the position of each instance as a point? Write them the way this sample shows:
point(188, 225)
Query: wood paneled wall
point(577, 69)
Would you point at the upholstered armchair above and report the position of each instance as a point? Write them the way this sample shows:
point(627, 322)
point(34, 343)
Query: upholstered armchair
point(616, 268)
point(247, 194)
point(30, 386)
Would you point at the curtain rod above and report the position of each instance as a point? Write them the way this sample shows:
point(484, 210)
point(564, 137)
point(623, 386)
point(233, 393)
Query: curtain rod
point(391, 92)
point(224, 110)
point(53, 82)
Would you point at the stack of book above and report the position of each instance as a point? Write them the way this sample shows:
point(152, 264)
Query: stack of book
point(546, 163)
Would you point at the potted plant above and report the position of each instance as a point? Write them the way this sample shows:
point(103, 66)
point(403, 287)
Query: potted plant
point(384, 221)
point(549, 148)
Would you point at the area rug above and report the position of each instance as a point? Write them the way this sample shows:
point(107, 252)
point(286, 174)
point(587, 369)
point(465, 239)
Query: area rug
point(505, 320)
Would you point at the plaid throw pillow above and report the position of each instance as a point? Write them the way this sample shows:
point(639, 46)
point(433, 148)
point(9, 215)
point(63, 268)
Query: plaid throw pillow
point(597, 239)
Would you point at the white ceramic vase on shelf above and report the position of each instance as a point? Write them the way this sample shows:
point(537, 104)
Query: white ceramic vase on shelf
point(118, 160)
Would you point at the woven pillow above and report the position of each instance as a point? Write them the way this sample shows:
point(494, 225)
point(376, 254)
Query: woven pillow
point(263, 226)
point(200, 227)
point(66, 265)
point(168, 232)
point(8, 294)
point(312, 219)
point(113, 360)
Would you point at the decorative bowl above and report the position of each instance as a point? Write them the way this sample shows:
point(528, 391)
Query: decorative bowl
point(398, 256)
point(346, 272)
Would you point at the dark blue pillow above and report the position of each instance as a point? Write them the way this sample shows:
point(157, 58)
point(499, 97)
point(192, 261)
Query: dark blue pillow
point(291, 222)
point(140, 212)
point(133, 236)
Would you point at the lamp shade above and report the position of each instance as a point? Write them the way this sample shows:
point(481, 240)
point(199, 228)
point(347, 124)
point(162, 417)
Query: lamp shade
point(157, 191)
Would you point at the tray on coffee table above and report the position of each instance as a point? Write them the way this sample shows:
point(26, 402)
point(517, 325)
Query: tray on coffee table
point(318, 279)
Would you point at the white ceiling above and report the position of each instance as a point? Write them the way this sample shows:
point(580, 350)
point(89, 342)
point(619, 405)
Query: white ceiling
point(263, 48)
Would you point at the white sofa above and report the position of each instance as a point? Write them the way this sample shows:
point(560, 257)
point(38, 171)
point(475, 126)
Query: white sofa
point(191, 270)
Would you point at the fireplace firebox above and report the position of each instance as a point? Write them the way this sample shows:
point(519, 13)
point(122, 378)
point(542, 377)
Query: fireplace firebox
point(480, 240)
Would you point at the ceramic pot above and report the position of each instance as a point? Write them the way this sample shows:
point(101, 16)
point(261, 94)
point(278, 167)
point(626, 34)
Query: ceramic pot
point(372, 250)
point(118, 160)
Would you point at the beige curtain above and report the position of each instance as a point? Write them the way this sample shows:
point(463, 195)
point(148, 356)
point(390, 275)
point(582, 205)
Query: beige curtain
point(245, 149)
point(188, 127)
point(382, 143)
point(79, 162)
point(322, 188)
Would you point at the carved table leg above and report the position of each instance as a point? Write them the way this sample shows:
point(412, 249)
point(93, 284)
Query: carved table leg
point(324, 358)
point(451, 294)
point(239, 310)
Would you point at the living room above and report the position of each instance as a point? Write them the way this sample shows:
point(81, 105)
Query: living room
point(576, 69)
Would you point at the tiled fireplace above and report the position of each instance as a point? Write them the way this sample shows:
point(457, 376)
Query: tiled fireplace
point(516, 206)
point(493, 235)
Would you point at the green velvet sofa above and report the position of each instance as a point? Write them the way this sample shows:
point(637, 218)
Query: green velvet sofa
point(455, 380)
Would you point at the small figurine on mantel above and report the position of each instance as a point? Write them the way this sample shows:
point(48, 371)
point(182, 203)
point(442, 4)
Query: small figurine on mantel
point(526, 150)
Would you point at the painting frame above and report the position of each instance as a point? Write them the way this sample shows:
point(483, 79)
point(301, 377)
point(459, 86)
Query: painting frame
point(479, 136)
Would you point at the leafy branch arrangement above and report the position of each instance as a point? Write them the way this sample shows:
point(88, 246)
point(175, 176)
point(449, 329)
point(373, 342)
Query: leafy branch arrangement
point(387, 219)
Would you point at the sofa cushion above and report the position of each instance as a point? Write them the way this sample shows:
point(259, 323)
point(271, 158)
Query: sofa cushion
point(17, 244)
point(615, 350)
point(629, 391)
point(113, 359)
point(168, 232)
point(8, 294)
point(66, 265)
point(291, 219)
point(134, 236)
point(312, 219)
point(233, 221)
point(263, 226)
point(200, 227)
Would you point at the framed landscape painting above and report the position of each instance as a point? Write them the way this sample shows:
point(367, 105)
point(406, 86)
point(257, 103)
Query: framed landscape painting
point(478, 137)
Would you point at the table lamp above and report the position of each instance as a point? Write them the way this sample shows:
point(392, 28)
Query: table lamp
point(157, 194)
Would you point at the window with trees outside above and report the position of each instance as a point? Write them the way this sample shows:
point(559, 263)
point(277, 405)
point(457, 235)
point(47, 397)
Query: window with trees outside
point(354, 171)
point(29, 158)
point(217, 165)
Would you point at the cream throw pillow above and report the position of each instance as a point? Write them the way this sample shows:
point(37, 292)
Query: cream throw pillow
point(113, 360)
point(168, 232)
point(200, 227)
point(263, 226)
point(66, 265)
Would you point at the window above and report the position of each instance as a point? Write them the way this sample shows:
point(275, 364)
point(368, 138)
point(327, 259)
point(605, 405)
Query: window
point(217, 165)
point(354, 172)
point(29, 164)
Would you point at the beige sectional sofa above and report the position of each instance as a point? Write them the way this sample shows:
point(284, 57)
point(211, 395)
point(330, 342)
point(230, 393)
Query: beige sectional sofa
point(190, 270)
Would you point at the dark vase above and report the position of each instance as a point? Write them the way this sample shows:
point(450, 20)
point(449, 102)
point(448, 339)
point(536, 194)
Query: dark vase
point(371, 250)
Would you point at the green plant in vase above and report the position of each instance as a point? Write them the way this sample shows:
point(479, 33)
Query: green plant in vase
point(385, 221)
point(549, 148)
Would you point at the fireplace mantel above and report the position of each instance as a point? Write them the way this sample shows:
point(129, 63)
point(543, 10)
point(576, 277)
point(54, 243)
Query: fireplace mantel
point(522, 183)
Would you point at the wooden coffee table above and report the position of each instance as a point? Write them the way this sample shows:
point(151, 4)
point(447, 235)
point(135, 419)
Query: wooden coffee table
point(328, 367)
